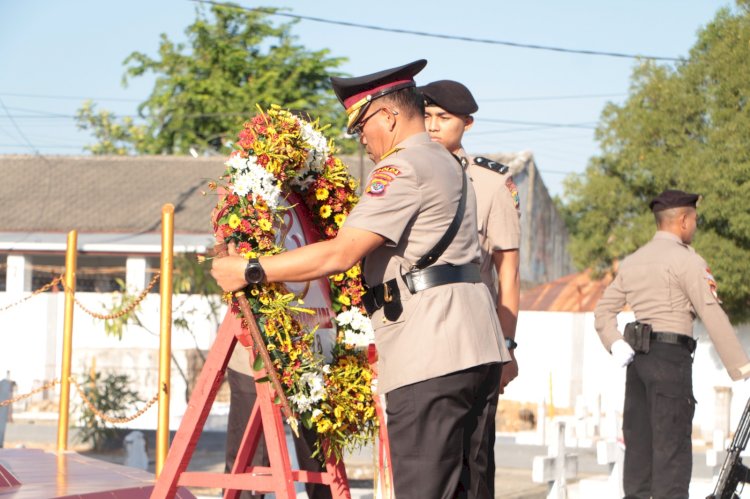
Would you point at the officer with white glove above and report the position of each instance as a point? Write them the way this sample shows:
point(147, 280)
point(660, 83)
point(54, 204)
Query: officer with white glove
point(622, 353)
point(667, 284)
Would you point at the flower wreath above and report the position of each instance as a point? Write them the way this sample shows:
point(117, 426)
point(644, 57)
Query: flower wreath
point(283, 157)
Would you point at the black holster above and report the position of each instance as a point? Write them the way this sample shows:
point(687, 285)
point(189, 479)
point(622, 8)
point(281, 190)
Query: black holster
point(386, 296)
point(638, 335)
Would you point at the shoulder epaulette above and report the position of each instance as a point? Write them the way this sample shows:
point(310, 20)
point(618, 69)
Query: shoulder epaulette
point(491, 165)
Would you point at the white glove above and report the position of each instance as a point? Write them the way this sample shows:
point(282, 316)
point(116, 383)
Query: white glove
point(622, 353)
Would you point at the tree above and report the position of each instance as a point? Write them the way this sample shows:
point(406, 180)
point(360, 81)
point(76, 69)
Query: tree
point(234, 59)
point(685, 127)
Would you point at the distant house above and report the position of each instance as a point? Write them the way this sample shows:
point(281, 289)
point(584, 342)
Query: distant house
point(115, 205)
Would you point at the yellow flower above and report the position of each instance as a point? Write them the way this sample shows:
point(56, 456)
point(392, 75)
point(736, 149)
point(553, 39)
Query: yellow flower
point(323, 426)
point(325, 211)
point(353, 272)
point(234, 221)
point(321, 194)
point(339, 219)
point(264, 224)
point(338, 277)
point(344, 300)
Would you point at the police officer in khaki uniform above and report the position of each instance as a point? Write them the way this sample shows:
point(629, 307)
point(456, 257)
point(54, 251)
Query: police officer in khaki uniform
point(449, 106)
point(439, 342)
point(667, 284)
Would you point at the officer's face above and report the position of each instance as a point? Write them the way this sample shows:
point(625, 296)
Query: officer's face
point(446, 128)
point(373, 134)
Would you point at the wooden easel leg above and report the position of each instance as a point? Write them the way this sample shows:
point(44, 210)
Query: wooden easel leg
point(278, 453)
point(247, 449)
point(201, 400)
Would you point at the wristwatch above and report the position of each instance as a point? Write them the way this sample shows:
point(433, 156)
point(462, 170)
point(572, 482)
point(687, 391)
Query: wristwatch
point(254, 273)
point(510, 343)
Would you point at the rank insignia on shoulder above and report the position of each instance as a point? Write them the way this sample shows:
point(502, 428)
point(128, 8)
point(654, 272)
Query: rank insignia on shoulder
point(513, 189)
point(491, 165)
point(380, 178)
point(708, 276)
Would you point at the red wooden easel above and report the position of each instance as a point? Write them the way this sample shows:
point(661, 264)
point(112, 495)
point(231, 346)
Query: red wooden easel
point(265, 421)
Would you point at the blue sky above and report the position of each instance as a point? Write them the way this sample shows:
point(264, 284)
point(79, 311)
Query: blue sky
point(53, 55)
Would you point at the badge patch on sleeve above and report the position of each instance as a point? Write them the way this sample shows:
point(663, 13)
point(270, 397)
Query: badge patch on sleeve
point(711, 283)
point(380, 179)
point(513, 191)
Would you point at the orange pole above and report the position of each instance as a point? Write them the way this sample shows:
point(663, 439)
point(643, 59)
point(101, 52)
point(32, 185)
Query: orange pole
point(165, 336)
point(70, 289)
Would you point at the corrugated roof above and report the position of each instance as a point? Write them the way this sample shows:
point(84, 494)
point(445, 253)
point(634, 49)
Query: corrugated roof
point(105, 193)
point(572, 293)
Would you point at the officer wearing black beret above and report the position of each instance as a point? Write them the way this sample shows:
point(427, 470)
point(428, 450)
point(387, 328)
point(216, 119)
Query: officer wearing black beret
point(440, 346)
point(449, 106)
point(667, 284)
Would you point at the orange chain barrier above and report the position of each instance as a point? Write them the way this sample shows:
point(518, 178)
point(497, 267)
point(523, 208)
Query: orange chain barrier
point(44, 288)
point(108, 419)
point(86, 400)
point(32, 392)
point(131, 306)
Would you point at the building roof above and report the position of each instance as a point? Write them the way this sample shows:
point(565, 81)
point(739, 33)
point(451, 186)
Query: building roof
point(106, 194)
point(572, 293)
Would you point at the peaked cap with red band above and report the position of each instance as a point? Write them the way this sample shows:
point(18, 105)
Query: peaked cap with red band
point(356, 94)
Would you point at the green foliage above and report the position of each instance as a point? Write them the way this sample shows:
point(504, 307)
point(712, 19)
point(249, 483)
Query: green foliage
point(113, 137)
point(207, 87)
point(684, 127)
point(112, 396)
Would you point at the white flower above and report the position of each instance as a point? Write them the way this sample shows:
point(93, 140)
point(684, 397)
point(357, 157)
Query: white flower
point(318, 145)
point(356, 339)
point(358, 330)
point(344, 318)
point(239, 163)
point(259, 182)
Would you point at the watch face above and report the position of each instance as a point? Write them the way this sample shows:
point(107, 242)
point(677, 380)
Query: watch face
point(253, 272)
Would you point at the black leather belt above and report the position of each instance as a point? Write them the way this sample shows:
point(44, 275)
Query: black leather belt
point(674, 339)
point(386, 293)
point(437, 275)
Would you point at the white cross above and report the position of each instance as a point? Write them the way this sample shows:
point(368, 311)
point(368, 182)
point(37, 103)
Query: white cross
point(556, 468)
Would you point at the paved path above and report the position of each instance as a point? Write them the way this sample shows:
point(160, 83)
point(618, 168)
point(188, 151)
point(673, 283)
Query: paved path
point(512, 478)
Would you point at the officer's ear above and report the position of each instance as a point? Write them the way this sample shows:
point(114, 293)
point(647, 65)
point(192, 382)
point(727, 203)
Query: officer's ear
point(391, 117)
point(468, 123)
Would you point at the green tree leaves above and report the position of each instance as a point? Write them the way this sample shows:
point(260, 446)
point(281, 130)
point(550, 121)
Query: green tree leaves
point(207, 87)
point(683, 127)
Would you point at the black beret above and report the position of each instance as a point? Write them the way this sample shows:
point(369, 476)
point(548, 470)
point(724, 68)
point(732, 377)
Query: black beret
point(673, 199)
point(451, 96)
point(357, 93)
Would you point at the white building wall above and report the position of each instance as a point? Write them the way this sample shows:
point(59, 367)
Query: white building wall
point(558, 354)
point(564, 348)
point(31, 335)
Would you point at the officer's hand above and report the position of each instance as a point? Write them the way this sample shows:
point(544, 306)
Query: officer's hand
point(509, 373)
point(622, 353)
point(229, 271)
